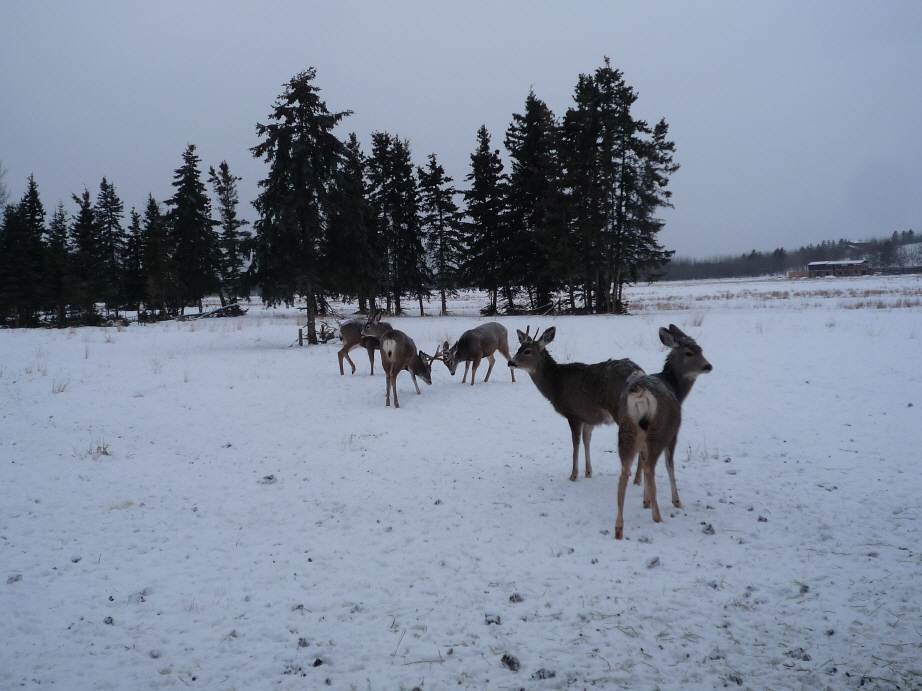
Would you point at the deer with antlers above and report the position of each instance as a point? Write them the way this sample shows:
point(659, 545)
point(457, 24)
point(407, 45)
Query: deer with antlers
point(399, 352)
point(473, 346)
point(586, 395)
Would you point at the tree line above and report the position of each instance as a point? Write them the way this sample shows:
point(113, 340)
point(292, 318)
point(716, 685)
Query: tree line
point(898, 251)
point(569, 223)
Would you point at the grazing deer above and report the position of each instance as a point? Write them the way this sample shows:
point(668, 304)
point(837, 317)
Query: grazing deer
point(650, 414)
point(353, 333)
point(473, 346)
point(587, 395)
point(398, 352)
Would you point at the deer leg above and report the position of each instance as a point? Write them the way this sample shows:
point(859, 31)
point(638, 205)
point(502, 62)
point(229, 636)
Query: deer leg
point(576, 430)
point(371, 358)
point(670, 468)
point(650, 473)
point(467, 364)
point(626, 451)
point(638, 478)
point(344, 353)
point(387, 388)
point(587, 438)
point(394, 389)
point(492, 359)
point(641, 464)
point(474, 365)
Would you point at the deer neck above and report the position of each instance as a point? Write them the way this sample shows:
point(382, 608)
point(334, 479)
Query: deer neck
point(680, 384)
point(544, 375)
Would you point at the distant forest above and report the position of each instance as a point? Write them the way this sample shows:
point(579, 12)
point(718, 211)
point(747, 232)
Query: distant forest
point(900, 251)
point(570, 222)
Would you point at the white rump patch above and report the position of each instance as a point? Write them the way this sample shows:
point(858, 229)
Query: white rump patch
point(641, 404)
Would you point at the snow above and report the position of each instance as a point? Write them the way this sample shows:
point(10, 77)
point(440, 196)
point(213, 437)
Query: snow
point(206, 505)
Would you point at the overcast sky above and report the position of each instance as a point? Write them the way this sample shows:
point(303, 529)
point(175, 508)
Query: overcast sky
point(794, 122)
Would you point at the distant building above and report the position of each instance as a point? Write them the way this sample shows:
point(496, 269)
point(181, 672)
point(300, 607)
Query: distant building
point(844, 267)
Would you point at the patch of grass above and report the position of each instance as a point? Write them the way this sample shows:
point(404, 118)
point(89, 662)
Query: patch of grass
point(59, 385)
point(94, 450)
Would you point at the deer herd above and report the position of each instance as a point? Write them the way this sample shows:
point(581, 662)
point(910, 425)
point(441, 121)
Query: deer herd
point(646, 407)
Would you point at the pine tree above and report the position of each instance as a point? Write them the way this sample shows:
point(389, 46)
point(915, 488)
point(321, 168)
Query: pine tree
point(485, 201)
point(442, 222)
point(133, 288)
point(109, 213)
point(89, 259)
point(395, 200)
point(616, 169)
point(233, 241)
point(196, 251)
point(352, 249)
point(304, 156)
point(534, 209)
point(58, 265)
point(160, 286)
point(21, 257)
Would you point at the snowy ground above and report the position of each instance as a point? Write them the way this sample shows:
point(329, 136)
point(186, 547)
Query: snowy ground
point(205, 505)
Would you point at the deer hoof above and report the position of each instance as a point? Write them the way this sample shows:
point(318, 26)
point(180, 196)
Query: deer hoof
point(646, 503)
point(573, 478)
point(619, 533)
point(677, 504)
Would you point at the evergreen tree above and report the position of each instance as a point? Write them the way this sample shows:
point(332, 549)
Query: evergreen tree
point(58, 280)
point(109, 213)
point(534, 209)
point(442, 222)
point(233, 241)
point(89, 259)
point(21, 257)
point(485, 201)
point(134, 288)
point(620, 166)
point(156, 244)
point(395, 200)
point(352, 249)
point(304, 157)
point(196, 250)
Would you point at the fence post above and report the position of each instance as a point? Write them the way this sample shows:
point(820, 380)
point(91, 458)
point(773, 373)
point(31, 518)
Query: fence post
point(300, 337)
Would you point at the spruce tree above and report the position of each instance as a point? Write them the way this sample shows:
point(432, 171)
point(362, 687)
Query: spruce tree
point(395, 199)
point(534, 227)
point(352, 250)
point(196, 250)
point(485, 201)
point(156, 244)
point(58, 265)
point(89, 259)
point(109, 213)
point(22, 284)
point(304, 156)
point(133, 288)
point(234, 241)
point(442, 222)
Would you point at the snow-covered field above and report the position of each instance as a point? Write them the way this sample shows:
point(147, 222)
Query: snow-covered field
point(206, 505)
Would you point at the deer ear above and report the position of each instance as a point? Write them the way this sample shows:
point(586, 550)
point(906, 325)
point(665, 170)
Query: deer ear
point(676, 331)
point(522, 336)
point(548, 336)
point(665, 335)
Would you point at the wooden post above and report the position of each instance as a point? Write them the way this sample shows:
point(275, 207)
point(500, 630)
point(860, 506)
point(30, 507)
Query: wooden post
point(300, 337)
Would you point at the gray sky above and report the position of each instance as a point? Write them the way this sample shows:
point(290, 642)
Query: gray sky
point(794, 121)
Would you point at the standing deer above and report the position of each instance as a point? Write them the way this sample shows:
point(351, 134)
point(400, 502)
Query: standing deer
point(398, 352)
point(587, 395)
point(650, 414)
point(353, 333)
point(473, 346)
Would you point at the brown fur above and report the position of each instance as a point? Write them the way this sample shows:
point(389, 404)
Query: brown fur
point(473, 346)
point(649, 418)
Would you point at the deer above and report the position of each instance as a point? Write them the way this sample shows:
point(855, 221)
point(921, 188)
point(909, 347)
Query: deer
point(399, 352)
point(353, 333)
point(650, 415)
point(473, 346)
point(586, 395)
